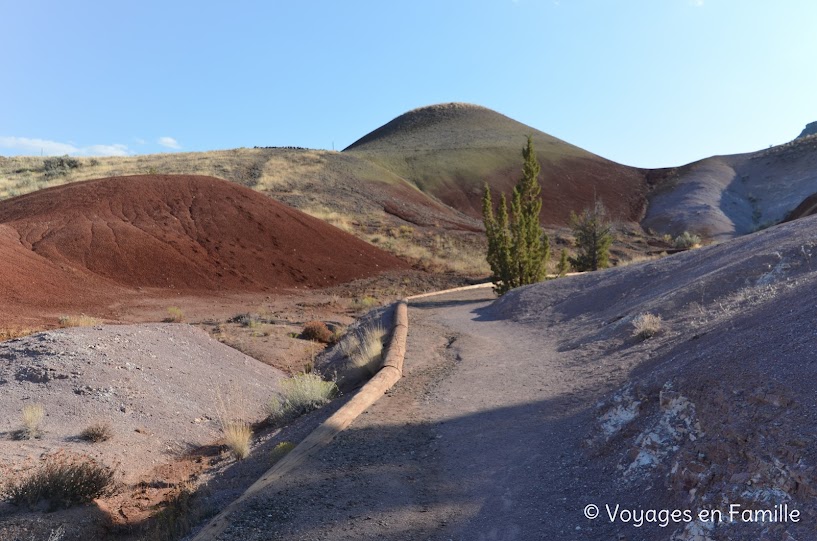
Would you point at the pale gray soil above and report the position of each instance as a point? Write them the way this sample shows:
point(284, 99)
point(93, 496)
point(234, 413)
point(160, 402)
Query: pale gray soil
point(513, 416)
point(727, 196)
point(156, 385)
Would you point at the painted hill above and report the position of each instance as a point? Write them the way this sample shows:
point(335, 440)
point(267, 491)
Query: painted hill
point(84, 243)
point(450, 150)
point(727, 196)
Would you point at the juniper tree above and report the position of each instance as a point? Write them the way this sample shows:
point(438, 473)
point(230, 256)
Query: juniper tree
point(564, 263)
point(594, 235)
point(518, 248)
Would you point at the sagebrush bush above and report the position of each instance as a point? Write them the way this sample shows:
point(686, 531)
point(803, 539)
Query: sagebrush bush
point(317, 331)
point(299, 395)
point(63, 481)
point(97, 433)
point(59, 165)
point(686, 241)
point(646, 325)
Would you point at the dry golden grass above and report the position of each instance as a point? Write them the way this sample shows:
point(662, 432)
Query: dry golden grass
point(300, 394)
point(640, 258)
point(32, 417)
point(79, 321)
point(646, 325)
point(10, 333)
point(337, 219)
point(364, 349)
point(439, 253)
point(237, 435)
point(231, 412)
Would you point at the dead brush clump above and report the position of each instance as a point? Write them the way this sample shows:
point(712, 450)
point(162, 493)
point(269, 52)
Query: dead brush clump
point(300, 394)
point(317, 331)
point(646, 325)
point(97, 432)
point(62, 481)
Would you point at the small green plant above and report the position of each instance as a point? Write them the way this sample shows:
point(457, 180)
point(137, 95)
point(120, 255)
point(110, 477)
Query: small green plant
point(646, 325)
point(300, 394)
point(686, 241)
point(280, 451)
point(518, 248)
point(364, 303)
point(564, 264)
point(594, 236)
point(97, 432)
point(32, 416)
point(175, 314)
point(63, 481)
point(317, 331)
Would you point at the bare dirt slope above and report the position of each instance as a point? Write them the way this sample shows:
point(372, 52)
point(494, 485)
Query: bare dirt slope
point(727, 196)
point(157, 386)
point(516, 415)
point(85, 245)
point(451, 150)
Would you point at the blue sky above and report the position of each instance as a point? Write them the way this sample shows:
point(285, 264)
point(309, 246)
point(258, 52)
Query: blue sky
point(649, 83)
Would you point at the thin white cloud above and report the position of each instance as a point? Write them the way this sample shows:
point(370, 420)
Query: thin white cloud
point(139, 141)
point(169, 142)
point(696, 3)
point(106, 150)
point(36, 147)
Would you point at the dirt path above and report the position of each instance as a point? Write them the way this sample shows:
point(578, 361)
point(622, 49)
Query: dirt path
point(479, 440)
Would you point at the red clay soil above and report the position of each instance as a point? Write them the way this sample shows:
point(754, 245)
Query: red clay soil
point(567, 186)
point(82, 243)
point(807, 208)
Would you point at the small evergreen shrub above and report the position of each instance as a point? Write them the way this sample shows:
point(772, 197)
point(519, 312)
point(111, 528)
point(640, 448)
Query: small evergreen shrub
point(686, 241)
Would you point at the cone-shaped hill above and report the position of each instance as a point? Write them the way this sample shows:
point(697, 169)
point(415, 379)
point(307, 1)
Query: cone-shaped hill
point(181, 232)
point(451, 150)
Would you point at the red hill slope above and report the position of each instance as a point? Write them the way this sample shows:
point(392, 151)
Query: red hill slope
point(183, 232)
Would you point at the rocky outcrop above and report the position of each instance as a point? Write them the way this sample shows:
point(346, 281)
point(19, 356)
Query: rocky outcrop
point(810, 129)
